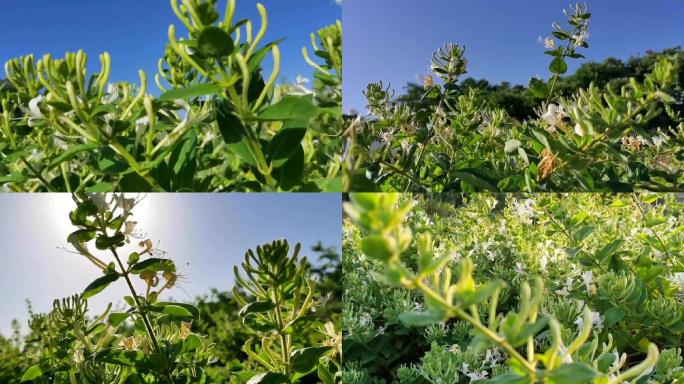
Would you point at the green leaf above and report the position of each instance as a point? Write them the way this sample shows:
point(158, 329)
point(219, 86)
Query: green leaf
point(655, 222)
point(575, 373)
point(329, 184)
point(583, 233)
point(70, 153)
point(256, 307)
point(300, 108)
point(558, 66)
point(235, 134)
point(305, 359)
point(100, 187)
point(539, 88)
point(15, 177)
point(612, 316)
point(420, 319)
point(183, 162)
point(99, 284)
point(117, 318)
point(153, 264)
point(191, 91)
point(378, 247)
point(290, 174)
point(32, 373)
point(609, 250)
point(176, 311)
point(104, 242)
point(469, 178)
point(269, 378)
point(480, 294)
point(161, 306)
point(191, 343)
point(81, 236)
point(133, 258)
point(215, 42)
point(286, 142)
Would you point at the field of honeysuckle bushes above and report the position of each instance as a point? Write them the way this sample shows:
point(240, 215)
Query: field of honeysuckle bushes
point(616, 134)
point(513, 288)
point(280, 324)
point(222, 121)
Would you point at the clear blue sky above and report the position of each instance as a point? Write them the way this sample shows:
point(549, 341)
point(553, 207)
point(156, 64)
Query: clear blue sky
point(205, 234)
point(134, 32)
point(392, 40)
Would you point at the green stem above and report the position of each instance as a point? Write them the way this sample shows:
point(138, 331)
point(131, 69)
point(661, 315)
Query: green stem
point(529, 366)
point(141, 311)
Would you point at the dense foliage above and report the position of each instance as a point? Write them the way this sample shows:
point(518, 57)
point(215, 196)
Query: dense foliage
point(589, 132)
point(221, 123)
point(282, 305)
point(437, 289)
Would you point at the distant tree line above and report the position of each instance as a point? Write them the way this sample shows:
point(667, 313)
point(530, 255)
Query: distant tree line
point(520, 103)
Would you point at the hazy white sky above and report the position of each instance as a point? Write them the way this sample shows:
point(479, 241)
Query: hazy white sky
point(206, 235)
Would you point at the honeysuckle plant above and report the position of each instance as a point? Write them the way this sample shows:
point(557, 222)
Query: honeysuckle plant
point(150, 341)
point(221, 122)
point(437, 289)
point(278, 306)
point(598, 139)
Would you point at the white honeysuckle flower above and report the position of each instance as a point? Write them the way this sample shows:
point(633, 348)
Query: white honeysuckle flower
point(100, 201)
point(129, 227)
point(125, 203)
point(658, 140)
point(112, 94)
point(543, 261)
point(142, 122)
point(579, 131)
point(596, 321)
point(519, 267)
point(387, 137)
point(301, 80)
point(553, 116)
point(405, 145)
point(580, 38)
point(208, 137)
point(678, 280)
point(588, 277)
point(34, 110)
point(548, 42)
point(473, 375)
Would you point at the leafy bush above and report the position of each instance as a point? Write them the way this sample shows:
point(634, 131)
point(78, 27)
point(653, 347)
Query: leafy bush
point(608, 136)
point(571, 288)
point(157, 341)
point(221, 124)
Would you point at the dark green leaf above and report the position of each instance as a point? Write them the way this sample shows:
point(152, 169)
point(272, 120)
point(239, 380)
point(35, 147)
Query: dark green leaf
point(286, 142)
point(290, 107)
point(305, 359)
point(558, 66)
point(117, 318)
point(153, 264)
point(191, 91)
point(99, 284)
point(215, 42)
point(575, 373)
point(420, 319)
point(235, 134)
